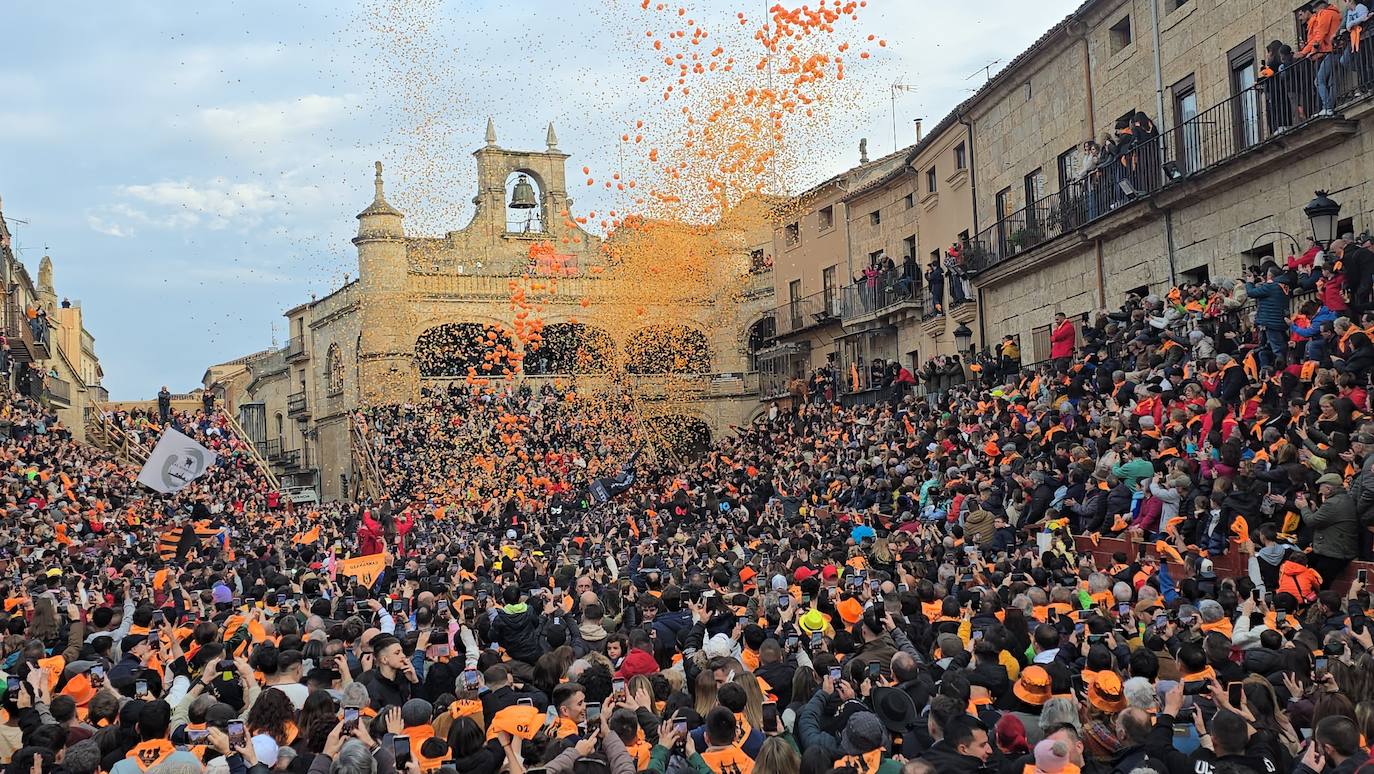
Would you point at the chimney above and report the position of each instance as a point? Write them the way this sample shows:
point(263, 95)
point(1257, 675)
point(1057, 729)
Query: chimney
point(863, 150)
point(918, 130)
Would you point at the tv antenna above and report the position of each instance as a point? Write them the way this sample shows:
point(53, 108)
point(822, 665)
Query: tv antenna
point(897, 88)
point(986, 70)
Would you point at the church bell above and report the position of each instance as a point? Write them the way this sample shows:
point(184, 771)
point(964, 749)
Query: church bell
point(522, 198)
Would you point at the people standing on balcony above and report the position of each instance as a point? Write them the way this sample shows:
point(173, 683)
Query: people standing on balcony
point(935, 287)
point(1271, 309)
point(164, 405)
point(888, 278)
point(1277, 85)
point(1145, 136)
point(954, 275)
point(1356, 56)
point(1061, 342)
point(909, 280)
point(877, 374)
point(870, 285)
point(1323, 22)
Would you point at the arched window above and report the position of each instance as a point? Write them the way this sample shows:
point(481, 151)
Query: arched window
point(688, 437)
point(334, 370)
point(761, 331)
point(450, 350)
point(522, 188)
point(667, 349)
point(570, 348)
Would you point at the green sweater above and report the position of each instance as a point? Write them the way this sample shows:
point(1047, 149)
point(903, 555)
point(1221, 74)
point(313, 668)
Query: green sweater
point(1134, 472)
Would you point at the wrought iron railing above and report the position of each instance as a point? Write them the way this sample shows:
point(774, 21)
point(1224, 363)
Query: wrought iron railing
point(295, 347)
point(296, 403)
point(801, 313)
point(1274, 106)
point(59, 389)
point(890, 289)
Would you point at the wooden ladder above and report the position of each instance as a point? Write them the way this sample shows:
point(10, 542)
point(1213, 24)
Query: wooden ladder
point(258, 459)
point(367, 476)
point(103, 433)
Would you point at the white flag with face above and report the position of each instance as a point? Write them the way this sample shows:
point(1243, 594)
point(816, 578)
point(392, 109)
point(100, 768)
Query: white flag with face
point(175, 462)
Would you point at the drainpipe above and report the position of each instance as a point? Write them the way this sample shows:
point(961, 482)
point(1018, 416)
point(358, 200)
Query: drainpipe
point(972, 175)
point(1159, 69)
point(1101, 282)
point(1079, 30)
point(1169, 246)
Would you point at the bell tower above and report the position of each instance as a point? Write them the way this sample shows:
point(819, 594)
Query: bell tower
point(521, 194)
point(384, 356)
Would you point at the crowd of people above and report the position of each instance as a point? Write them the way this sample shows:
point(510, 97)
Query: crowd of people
point(903, 586)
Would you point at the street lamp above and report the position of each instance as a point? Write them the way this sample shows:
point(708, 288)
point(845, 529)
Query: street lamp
point(1323, 213)
point(963, 337)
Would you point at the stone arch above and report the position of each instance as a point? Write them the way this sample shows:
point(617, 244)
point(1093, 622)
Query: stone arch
point(571, 348)
point(455, 349)
point(688, 436)
point(762, 330)
point(334, 370)
point(667, 349)
point(533, 221)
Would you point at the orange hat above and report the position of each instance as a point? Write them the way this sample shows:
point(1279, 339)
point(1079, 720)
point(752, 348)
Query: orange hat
point(519, 720)
point(1106, 692)
point(1033, 686)
point(80, 689)
point(851, 610)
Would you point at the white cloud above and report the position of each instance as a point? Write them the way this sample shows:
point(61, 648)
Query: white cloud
point(107, 227)
point(213, 205)
point(249, 125)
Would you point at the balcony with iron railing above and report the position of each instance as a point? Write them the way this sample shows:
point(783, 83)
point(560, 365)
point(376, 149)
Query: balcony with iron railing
point(890, 292)
point(1282, 105)
point(59, 391)
point(296, 404)
point(800, 314)
point(28, 338)
point(270, 449)
point(295, 348)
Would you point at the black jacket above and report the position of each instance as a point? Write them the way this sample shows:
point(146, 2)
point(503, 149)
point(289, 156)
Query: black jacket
point(385, 692)
point(946, 760)
point(519, 633)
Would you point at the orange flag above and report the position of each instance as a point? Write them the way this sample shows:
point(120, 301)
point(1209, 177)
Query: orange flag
point(1241, 528)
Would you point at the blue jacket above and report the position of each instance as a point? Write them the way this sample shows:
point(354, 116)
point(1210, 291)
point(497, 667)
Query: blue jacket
point(1271, 303)
point(1315, 346)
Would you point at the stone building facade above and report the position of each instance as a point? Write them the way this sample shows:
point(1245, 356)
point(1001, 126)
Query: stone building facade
point(1244, 156)
point(381, 337)
point(60, 367)
point(1222, 186)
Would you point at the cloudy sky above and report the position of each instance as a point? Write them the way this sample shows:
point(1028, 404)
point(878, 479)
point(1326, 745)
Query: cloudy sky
point(193, 169)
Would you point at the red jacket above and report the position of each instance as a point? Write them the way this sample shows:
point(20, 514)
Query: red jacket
point(1330, 293)
point(369, 536)
point(637, 662)
point(1061, 341)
